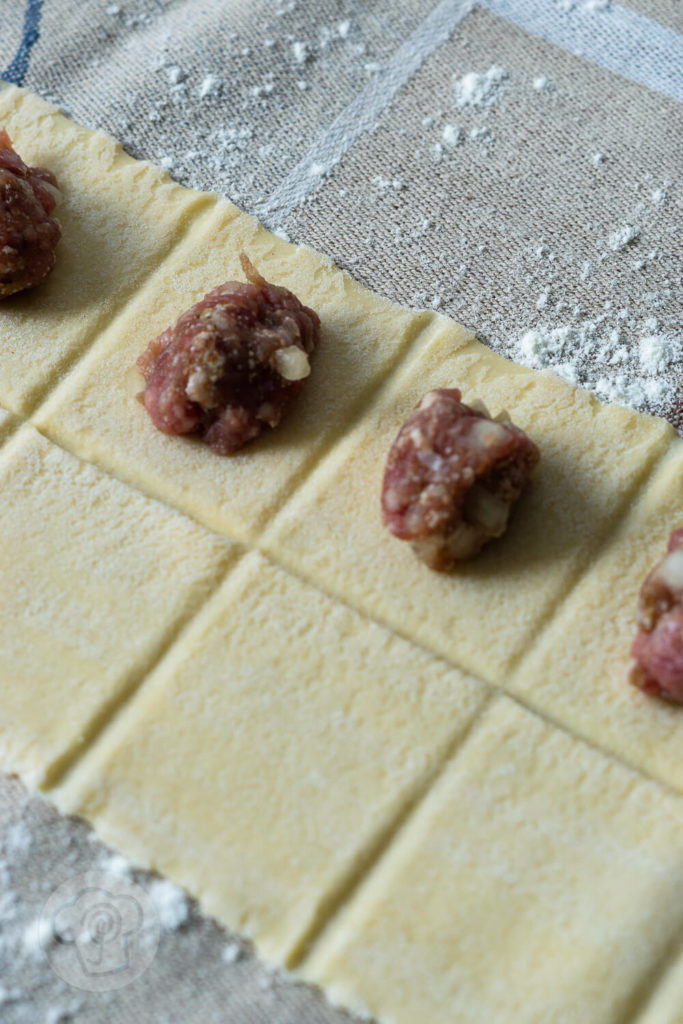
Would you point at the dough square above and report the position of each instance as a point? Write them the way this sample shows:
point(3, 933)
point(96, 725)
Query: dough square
point(95, 580)
point(120, 217)
point(271, 752)
point(96, 413)
point(487, 613)
point(577, 673)
point(538, 881)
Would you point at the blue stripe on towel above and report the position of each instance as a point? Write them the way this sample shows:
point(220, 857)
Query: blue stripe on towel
point(16, 71)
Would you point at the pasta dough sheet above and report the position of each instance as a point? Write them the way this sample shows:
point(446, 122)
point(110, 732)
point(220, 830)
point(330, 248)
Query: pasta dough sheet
point(95, 411)
point(594, 458)
point(535, 883)
point(576, 670)
point(668, 999)
point(120, 218)
point(96, 579)
point(302, 728)
point(307, 731)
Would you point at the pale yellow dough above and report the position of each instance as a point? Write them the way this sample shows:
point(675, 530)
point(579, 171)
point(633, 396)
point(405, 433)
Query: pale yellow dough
point(533, 884)
point(120, 217)
point(308, 732)
point(666, 1005)
point(575, 672)
point(95, 580)
point(7, 421)
point(593, 458)
point(281, 704)
point(96, 413)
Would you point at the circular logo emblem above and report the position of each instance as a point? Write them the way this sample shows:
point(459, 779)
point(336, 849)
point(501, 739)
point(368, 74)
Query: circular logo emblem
point(100, 931)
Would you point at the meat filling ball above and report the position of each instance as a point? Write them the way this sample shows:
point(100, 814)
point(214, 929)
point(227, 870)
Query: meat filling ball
point(28, 234)
point(658, 647)
point(232, 364)
point(452, 477)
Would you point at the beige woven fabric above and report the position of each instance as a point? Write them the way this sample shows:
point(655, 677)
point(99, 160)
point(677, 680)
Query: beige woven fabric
point(484, 229)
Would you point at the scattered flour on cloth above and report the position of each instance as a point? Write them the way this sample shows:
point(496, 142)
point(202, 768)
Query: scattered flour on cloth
point(645, 375)
point(170, 903)
point(658, 354)
point(118, 865)
point(232, 952)
point(543, 84)
point(622, 236)
point(480, 90)
point(17, 839)
point(452, 135)
point(585, 5)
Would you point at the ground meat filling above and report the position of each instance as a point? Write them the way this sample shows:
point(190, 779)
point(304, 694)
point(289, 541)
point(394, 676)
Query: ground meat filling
point(232, 364)
point(658, 647)
point(28, 234)
point(452, 477)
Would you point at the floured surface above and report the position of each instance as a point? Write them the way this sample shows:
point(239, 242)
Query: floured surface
point(201, 973)
point(271, 747)
point(500, 215)
point(119, 219)
point(576, 671)
point(302, 730)
point(483, 615)
point(535, 883)
point(95, 412)
point(95, 580)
